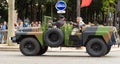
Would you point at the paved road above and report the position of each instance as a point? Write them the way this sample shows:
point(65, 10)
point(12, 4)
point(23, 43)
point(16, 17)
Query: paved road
point(15, 57)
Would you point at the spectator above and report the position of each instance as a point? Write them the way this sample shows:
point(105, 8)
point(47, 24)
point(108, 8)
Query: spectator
point(0, 33)
point(19, 20)
point(36, 24)
point(25, 24)
point(33, 24)
point(39, 24)
point(22, 24)
point(4, 26)
point(4, 29)
point(27, 20)
point(16, 25)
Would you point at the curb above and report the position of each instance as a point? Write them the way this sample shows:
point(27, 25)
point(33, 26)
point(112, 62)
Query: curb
point(5, 47)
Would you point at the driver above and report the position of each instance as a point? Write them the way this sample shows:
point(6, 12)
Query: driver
point(60, 22)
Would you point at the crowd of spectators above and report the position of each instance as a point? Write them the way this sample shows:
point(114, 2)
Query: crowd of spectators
point(26, 23)
point(18, 24)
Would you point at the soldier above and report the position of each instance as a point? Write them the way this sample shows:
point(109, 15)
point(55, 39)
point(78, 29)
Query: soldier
point(80, 22)
point(79, 25)
point(60, 22)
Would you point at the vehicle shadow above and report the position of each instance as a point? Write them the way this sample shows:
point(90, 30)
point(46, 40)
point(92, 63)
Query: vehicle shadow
point(84, 55)
point(64, 56)
point(75, 56)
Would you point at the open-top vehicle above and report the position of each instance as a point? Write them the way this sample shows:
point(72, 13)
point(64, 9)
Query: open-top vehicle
point(35, 41)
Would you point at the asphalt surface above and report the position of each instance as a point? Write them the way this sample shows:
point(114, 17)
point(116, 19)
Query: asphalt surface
point(74, 57)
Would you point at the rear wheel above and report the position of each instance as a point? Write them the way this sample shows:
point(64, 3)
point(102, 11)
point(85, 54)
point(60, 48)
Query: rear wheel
point(30, 46)
point(96, 47)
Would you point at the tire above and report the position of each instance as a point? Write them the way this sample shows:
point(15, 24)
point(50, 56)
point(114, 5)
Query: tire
point(53, 37)
point(118, 45)
point(108, 50)
point(96, 47)
point(43, 50)
point(29, 47)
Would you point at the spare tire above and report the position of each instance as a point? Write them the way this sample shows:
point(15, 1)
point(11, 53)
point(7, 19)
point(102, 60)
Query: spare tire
point(53, 37)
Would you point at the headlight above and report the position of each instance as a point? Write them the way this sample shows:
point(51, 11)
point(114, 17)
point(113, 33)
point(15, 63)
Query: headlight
point(13, 39)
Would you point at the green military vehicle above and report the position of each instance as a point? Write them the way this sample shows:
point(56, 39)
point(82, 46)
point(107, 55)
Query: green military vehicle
point(35, 41)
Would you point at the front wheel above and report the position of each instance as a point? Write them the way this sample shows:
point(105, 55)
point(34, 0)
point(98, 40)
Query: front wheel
point(30, 46)
point(96, 47)
point(108, 49)
point(43, 50)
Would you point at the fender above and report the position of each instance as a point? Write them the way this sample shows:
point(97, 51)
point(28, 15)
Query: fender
point(34, 31)
point(106, 32)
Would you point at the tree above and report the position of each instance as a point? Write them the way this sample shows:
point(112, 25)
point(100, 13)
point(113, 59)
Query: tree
point(30, 8)
point(108, 10)
point(10, 21)
point(36, 9)
point(78, 8)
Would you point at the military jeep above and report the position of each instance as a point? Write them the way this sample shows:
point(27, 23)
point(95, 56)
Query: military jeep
point(35, 41)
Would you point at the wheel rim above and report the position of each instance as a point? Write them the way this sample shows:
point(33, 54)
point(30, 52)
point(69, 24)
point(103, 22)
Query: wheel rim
point(53, 37)
point(96, 47)
point(29, 46)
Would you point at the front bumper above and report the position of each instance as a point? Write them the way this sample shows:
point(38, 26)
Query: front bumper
point(14, 39)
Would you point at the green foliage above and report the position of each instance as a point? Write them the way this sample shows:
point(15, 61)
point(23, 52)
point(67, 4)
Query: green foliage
point(35, 9)
point(3, 10)
point(28, 8)
point(108, 6)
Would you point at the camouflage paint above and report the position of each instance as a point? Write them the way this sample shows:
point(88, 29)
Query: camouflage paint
point(67, 29)
point(37, 32)
point(89, 31)
point(105, 31)
point(40, 36)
